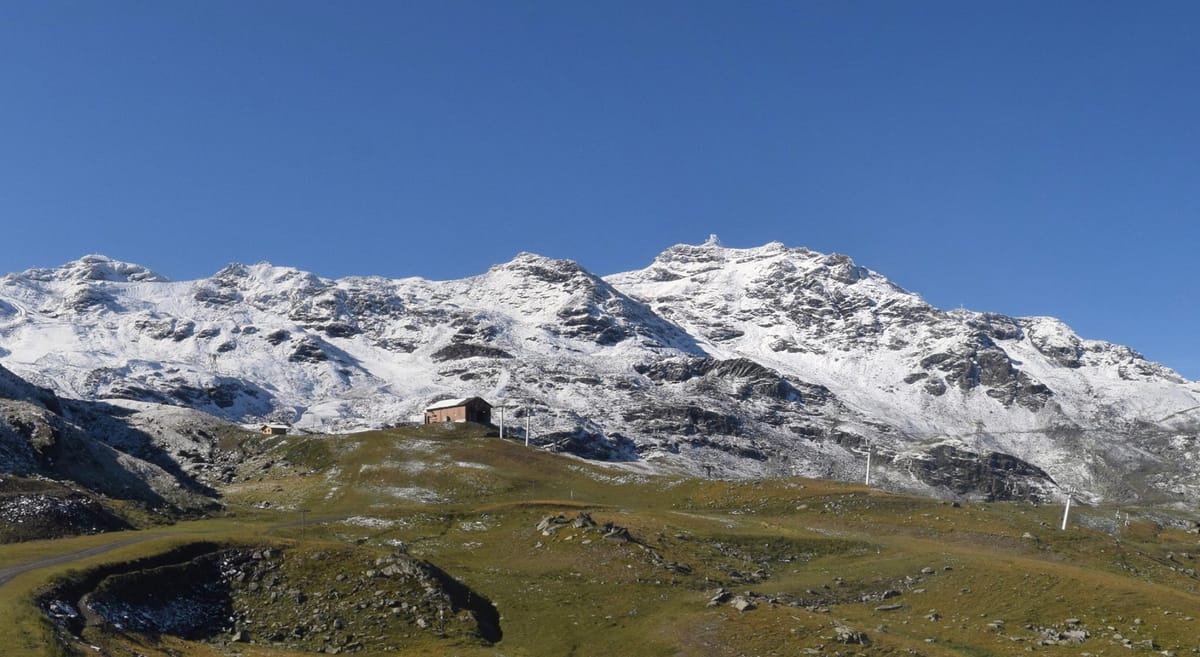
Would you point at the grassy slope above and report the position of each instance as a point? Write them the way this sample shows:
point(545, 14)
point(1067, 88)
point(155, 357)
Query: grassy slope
point(470, 505)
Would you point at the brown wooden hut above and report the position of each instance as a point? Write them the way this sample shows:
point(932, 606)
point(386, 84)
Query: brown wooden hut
point(471, 409)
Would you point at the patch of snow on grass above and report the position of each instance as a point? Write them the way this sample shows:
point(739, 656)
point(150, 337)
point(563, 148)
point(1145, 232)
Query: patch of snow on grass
point(414, 494)
point(373, 523)
point(475, 526)
point(424, 446)
point(409, 467)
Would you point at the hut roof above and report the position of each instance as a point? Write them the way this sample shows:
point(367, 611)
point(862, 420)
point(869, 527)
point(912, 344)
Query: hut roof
point(452, 403)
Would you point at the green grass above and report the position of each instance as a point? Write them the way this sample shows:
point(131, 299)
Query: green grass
point(469, 504)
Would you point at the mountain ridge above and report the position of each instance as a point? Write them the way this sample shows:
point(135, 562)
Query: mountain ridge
point(740, 362)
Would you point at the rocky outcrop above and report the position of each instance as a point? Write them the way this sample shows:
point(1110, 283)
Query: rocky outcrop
point(990, 475)
point(747, 377)
point(459, 351)
point(978, 362)
point(84, 451)
point(326, 601)
point(37, 510)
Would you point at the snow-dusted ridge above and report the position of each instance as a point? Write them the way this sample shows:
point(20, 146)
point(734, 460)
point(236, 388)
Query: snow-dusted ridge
point(719, 360)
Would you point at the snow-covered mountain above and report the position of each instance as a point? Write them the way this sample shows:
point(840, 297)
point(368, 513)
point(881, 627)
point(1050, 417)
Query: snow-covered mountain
point(717, 360)
point(129, 450)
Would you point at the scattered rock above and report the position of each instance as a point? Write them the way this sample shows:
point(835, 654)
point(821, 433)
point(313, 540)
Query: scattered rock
point(1075, 636)
point(550, 524)
point(742, 604)
point(618, 534)
point(850, 636)
point(720, 597)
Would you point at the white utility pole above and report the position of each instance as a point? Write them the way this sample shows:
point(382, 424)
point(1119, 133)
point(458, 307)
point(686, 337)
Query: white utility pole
point(528, 416)
point(501, 420)
point(868, 453)
point(1067, 509)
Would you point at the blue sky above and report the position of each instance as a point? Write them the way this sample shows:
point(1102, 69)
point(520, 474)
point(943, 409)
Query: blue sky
point(1020, 157)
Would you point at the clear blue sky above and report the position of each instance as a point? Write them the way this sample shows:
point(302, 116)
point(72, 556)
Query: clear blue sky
point(1024, 157)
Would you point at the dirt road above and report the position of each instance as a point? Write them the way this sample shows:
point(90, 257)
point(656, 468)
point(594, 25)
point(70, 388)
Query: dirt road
point(6, 574)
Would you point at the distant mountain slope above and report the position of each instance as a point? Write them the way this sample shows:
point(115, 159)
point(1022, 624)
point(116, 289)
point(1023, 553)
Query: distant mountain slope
point(720, 361)
point(62, 461)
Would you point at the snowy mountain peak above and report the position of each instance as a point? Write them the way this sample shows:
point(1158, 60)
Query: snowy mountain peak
point(739, 361)
point(685, 259)
point(773, 265)
point(541, 267)
point(95, 268)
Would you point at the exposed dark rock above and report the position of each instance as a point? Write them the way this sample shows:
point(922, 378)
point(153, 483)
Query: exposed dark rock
point(758, 380)
point(996, 326)
point(340, 330)
point(587, 323)
point(613, 447)
point(164, 328)
point(684, 420)
point(980, 363)
point(724, 333)
point(1064, 349)
point(275, 337)
point(470, 330)
point(994, 475)
point(736, 449)
point(188, 600)
point(395, 344)
point(45, 515)
point(86, 298)
point(461, 351)
point(308, 350)
point(217, 297)
point(223, 395)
